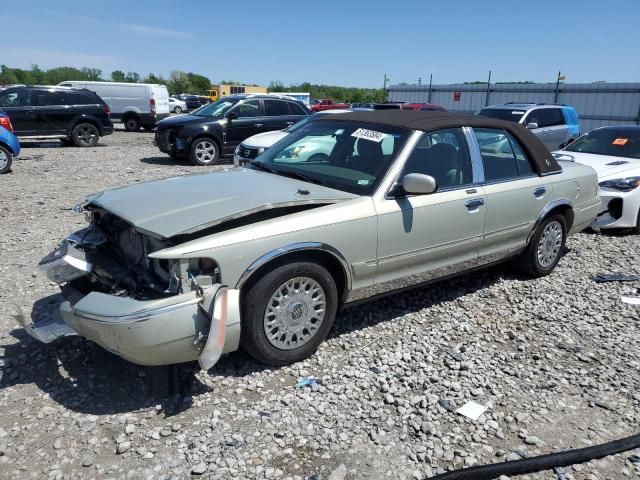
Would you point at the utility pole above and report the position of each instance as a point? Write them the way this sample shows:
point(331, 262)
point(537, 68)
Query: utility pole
point(419, 81)
point(486, 98)
point(430, 80)
point(384, 87)
point(560, 77)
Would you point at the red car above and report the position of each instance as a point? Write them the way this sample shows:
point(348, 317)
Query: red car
point(429, 107)
point(326, 104)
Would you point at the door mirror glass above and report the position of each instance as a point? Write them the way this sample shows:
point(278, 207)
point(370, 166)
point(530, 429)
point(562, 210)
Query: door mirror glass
point(532, 125)
point(418, 184)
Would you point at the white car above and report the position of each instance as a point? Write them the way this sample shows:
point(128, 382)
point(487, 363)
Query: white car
point(255, 145)
point(176, 105)
point(614, 153)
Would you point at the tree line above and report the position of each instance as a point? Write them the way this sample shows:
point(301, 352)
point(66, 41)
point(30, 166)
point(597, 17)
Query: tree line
point(340, 94)
point(178, 82)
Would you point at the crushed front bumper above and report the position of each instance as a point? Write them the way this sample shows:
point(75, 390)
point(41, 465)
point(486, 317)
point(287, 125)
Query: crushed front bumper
point(175, 329)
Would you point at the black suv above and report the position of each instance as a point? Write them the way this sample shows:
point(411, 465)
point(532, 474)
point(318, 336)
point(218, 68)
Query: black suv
point(218, 128)
point(76, 116)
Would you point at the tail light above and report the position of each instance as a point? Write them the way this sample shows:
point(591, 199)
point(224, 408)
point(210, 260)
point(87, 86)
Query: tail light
point(152, 104)
point(107, 110)
point(6, 123)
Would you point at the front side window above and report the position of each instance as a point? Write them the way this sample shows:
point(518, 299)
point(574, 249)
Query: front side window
point(535, 116)
point(296, 109)
point(250, 108)
point(502, 155)
point(444, 155)
point(45, 98)
point(348, 156)
point(274, 108)
point(20, 98)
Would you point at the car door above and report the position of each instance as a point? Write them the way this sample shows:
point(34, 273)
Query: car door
point(515, 194)
point(53, 111)
point(277, 115)
point(17, 104)
point(247, 119)
point(555, 127)
point(422, 237)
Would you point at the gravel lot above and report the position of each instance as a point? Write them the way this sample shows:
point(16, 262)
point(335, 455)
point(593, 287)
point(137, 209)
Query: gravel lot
point(556, 360)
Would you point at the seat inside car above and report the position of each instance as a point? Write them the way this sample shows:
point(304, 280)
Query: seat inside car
point(441, 161)
point(370, 157)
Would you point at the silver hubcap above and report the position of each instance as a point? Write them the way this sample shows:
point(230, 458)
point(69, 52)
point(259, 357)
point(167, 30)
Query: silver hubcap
point(4, 160)
point(294, 313)
point(206, 151)
point(86, 135)
point(549, 244)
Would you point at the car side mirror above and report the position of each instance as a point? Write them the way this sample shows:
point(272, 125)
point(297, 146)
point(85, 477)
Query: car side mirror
point(532, 125)
point(419, 184)
point(232, 116)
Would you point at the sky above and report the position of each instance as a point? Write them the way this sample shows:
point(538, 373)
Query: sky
point(335, 42)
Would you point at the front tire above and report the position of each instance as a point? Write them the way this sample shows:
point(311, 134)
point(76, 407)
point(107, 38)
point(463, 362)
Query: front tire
point(85, 135)
point(132, 124)
point(545, 248)
point(177, 110)
point(6, 159)
point(204, 151)
point(635, 230)
point(288, 313)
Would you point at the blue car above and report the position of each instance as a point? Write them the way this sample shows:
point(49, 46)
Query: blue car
point(9, 144)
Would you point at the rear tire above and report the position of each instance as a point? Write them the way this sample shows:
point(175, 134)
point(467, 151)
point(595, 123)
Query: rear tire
point(204, 151)
point(288, 312)
point(545, 248)
point(6, 159)
point(132, 124)
point(177, 110)
point(85, 135)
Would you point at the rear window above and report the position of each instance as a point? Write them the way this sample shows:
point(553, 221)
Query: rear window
point(296, 109)
point(512, 115)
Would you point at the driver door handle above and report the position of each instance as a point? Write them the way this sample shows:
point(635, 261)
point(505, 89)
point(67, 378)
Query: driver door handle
point(258, 125)
point(539, 192)
point(474, 203)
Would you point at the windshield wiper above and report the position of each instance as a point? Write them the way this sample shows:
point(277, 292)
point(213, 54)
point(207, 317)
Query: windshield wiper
point(299, 176)
point(262, 166)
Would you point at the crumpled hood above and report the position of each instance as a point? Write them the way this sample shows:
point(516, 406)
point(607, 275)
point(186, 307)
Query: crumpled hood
point(607, 167)
point(181, 205)
point(265, 139)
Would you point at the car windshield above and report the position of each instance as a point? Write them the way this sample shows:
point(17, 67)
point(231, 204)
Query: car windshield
point(617, 142)
point(513, 115)
point(348, 156)
point(215, 109)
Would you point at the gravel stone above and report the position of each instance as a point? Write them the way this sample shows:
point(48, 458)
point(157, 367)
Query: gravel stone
point(555, 360)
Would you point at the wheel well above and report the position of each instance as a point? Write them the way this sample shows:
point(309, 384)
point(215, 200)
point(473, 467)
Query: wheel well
point(322, 258)
point(7, 147)
point(129, 115)
point(566, 211)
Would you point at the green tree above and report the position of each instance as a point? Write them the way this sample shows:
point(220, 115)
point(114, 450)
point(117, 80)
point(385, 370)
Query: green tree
point(179, 82)
point(132, 77)
point(91, 74)
point(7, 75)
point(199, 83)
point(118, 76)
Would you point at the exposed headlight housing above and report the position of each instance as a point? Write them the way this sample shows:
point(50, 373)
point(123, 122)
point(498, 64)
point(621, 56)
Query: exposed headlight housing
point(623, 184)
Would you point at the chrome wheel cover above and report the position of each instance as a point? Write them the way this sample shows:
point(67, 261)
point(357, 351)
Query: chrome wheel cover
point(294, 313)
point(549, 244)
point(4, 160)
point(205, 151)
point(87, 134)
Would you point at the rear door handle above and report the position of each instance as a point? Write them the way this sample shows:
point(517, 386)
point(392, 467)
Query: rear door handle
point(258, 125)
point(539, 192)
point(474, 203)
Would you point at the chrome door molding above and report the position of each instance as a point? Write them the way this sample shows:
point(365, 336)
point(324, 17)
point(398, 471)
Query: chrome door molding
point(476, 157)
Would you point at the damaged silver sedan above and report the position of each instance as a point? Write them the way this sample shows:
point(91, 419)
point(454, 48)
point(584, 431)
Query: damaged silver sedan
point(262, 257)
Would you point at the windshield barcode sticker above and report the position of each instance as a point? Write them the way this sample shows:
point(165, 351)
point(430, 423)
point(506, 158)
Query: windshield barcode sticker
point(369, 135)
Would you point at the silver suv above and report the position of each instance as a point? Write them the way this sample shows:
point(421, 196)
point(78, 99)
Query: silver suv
point(555, 125)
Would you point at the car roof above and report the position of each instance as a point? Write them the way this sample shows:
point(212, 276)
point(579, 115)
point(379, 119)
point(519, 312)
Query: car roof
point(429, 121)
point(524, 106)
point(620, 128)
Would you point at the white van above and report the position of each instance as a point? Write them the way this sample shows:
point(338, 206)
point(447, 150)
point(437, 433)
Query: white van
point(135, 104)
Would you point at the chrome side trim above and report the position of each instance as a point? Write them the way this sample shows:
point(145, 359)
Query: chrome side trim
point(296, 247)
point(545, 211)
point(476, 155)
point(138, 316)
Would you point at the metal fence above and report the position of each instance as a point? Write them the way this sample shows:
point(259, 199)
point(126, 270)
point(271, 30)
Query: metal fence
point(597, 104)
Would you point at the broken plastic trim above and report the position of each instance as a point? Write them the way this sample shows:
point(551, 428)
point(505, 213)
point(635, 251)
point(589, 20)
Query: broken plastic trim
point(215, 307)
